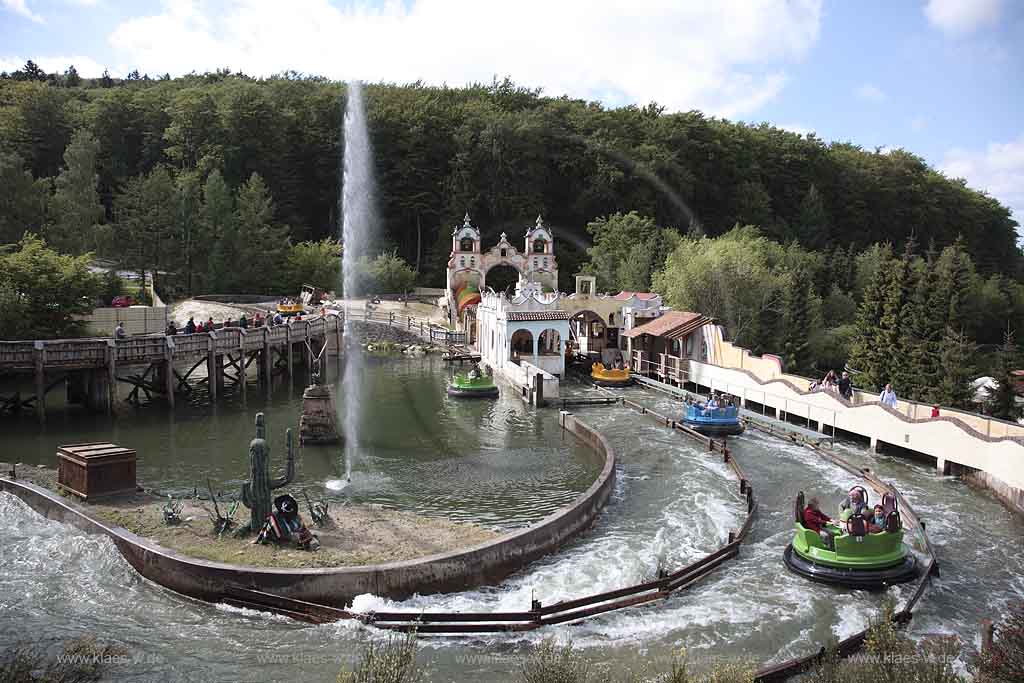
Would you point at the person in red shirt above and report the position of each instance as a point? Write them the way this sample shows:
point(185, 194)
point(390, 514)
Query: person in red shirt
point(815, 520)
point(935, 411)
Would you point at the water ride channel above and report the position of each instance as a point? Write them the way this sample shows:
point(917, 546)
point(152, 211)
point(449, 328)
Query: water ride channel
point(502, 465)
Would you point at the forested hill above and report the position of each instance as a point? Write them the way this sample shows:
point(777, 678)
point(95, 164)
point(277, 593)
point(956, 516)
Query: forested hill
point(503, 152)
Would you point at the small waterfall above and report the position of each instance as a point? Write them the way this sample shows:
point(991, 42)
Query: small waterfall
point(357, 220)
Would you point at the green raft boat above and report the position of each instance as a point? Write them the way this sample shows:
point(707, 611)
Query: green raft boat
point(854, 554)
point(468, 385)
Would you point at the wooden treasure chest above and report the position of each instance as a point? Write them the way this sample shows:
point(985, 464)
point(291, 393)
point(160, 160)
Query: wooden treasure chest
point(96, 470)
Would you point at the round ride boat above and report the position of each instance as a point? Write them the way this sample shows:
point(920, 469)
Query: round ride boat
point(474, 384)
point(854, 552)
point(609, 377)
point(713, 420)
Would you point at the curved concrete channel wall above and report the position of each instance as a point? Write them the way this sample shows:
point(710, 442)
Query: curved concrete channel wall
point(448, 572)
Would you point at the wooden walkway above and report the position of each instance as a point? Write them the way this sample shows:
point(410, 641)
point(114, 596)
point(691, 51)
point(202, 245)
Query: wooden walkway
point(93, 367)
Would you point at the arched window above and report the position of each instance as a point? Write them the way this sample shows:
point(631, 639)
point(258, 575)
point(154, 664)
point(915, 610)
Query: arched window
point(539, 246)
point(466, 244)
point(550, 343)
point(521, 345)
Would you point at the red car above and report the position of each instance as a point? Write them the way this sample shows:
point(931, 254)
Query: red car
point(122, 301)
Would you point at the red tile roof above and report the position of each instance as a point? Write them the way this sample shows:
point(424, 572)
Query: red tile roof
point(525, 316)
point(673, 325)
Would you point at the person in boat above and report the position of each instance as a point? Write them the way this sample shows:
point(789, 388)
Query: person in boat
point(815, 520)
point(712, 405)
point(619, 365)
point(854, 503)
point(877, 522)
point(474, 372)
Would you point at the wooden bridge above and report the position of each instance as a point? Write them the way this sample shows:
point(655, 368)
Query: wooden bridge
point(92, 368)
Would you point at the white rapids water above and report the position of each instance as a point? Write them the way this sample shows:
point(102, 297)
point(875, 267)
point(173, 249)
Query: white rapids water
point(672, 504)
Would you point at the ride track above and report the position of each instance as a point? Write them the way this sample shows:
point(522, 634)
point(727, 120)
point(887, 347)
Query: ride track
point(630, 596)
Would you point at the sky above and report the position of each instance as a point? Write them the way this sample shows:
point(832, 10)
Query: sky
point(943, 79)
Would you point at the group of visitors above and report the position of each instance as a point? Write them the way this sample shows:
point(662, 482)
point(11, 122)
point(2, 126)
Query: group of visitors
point(854, 504)
point(842, 385)
point(192, 327)
point(714, 402)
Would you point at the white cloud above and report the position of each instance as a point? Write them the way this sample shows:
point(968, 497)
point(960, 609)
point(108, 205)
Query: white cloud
point(998, 169)
point(961, 17)
point(918, 123)
point(727, 58)
point(87, 67)
point(871, 92)
point(21, 7)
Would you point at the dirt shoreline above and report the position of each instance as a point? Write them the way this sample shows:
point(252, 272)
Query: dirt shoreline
point(355, 535)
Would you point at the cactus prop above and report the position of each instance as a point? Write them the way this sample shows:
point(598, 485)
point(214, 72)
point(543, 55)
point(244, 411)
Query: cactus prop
point(256, 491)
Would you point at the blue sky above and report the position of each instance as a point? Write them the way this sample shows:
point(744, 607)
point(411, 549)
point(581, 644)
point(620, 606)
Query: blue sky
point(941, 78)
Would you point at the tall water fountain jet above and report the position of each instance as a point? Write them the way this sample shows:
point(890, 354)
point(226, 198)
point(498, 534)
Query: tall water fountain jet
point(357, 220)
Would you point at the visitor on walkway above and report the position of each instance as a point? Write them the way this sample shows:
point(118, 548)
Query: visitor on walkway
point(257, 320)
point(228, 323)
point(845, 385)
point(935, 410)
point(171, 329)
point(243, 322)
point(190, 326)
point(830, 381)
point(278, 319)
point(208, 326)
point(120, 332)
point(888, 396)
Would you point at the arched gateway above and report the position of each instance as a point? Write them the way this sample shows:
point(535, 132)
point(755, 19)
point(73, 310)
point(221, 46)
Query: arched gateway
point(469, 265)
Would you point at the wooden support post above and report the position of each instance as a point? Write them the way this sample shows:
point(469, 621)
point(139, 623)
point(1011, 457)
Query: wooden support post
point(288, 344)
point(111, 375)
point(309, 357)
point(212, 371)
point(169, 384)
point(266, 366)
point(39, 352)
point(242, 365)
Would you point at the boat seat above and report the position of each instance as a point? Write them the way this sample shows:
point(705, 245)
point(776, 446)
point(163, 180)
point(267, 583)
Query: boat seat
point(888, 503)
point(857, 527)
point(892, 522)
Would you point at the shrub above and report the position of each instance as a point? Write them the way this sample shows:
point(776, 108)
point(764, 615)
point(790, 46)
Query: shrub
point(393, 661)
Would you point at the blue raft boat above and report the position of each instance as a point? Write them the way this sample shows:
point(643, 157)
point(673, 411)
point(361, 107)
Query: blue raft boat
point(721, 421)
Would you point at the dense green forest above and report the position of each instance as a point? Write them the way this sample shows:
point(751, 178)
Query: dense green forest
point(224, 182)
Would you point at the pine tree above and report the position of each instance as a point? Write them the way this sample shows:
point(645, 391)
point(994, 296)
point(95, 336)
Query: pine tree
point(924, 323)
point(955, 270)
point(217, 218)
point(894, 347)
point(956, 358)
point(867, 356)
point(813, 222)
point(797, 319)
point(262, 245)
point(75, 208)
point(1004, 401)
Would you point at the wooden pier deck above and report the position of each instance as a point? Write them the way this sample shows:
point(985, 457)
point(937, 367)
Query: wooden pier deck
point(92, 368)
